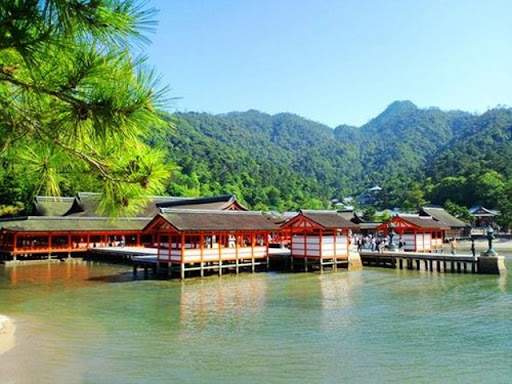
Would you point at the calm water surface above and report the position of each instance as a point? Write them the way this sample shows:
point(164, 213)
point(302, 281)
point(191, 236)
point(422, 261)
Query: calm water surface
point(91, 323)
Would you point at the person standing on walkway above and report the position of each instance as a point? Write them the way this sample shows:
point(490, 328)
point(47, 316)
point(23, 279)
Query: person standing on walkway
point(453, 245)
point(473, 250)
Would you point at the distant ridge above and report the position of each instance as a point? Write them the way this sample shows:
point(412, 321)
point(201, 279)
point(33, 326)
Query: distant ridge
point(286, 162)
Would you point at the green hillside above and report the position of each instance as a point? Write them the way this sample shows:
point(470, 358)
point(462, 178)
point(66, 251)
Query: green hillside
point(285, 161)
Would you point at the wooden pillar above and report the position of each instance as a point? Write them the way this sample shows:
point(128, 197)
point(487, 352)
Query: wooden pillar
point(70, 243)
point(138, 239)
point(182, 260)
point(219, 240)
point(158, 247)
point(320, 238)
point(253, 241)
point(15, 242)
point(415, 241)
point(304, 239)
point(305, 252)
point(266, 251)
point(201, 253)
point(335, 234)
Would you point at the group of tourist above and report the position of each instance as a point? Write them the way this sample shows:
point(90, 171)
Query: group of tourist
point(375, 243)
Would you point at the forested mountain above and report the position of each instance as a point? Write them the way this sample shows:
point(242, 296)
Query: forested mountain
point(285, 161)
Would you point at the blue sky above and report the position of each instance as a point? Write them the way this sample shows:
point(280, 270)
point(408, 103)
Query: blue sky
point(335, 62)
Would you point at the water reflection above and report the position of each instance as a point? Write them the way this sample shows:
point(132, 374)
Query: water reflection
point(337, 290)
point(47, 273)
point(233, 302)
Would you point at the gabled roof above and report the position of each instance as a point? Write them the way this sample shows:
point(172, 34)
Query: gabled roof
point(86, 204)
point(444, 217)
point(221, 203)
point(483, 212)
point(193, 220)
point(71, 224)
point(351, 216)
point(414, 222)
point(322, 219)
point(279, 217)
point(51, 205)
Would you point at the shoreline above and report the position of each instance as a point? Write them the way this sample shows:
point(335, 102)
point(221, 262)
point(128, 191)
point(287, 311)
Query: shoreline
point(7, 330)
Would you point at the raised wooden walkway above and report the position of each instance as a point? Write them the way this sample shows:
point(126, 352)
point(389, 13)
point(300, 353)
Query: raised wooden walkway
point(440, 262)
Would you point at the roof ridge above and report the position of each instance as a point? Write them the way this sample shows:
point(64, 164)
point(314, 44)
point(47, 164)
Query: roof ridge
point(63, 218)
point(317, 211)
point(207, 211)
point(54, 197)
point(197, 200)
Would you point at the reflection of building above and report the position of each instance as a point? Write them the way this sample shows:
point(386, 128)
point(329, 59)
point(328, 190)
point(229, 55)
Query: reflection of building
point(233, 303)
point(420, 234)
point(483, 217)
point(458, 228)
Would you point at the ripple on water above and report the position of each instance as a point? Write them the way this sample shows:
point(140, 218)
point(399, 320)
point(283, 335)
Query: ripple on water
point(93, 324)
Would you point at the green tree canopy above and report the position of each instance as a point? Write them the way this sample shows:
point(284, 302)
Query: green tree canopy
point(76, 103)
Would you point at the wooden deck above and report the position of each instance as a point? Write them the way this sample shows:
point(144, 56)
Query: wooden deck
point(440, 262)
point(125, 251)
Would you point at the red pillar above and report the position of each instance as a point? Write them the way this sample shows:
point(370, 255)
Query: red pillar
point(14, 244)
point(320, 238)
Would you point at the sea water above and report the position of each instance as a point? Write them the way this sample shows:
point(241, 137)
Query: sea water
point(92, 323)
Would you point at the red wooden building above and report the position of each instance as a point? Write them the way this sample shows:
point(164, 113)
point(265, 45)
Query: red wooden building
point(319, 237)
point(68, 225)
point(193, 240)
point(420, 234)
point(34, 235)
